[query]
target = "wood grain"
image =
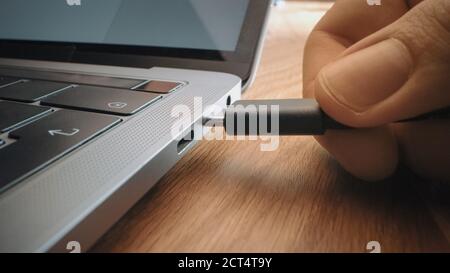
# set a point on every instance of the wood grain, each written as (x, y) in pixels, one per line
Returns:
(227, 196)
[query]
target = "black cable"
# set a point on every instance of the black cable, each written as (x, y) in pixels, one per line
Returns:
(288, 117)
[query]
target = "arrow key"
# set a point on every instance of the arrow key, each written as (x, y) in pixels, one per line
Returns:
(47, 139)
(64, 123)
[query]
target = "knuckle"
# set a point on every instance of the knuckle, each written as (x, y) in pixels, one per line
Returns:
(438, 13)
(426, 29)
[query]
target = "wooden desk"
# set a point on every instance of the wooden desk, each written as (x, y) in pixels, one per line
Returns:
(229, 196)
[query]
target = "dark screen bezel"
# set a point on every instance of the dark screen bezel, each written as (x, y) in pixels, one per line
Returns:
(238, 62)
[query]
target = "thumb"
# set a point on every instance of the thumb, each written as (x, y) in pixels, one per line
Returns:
(399, 72)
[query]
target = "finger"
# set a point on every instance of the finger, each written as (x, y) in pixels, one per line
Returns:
(397, 73)
(369, 154)
(425, 148)
(346, 23)
(337, 31)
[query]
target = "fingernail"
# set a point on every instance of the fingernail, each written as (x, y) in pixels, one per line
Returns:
(369, 76)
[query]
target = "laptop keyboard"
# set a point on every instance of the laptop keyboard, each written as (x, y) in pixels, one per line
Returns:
(41, 120)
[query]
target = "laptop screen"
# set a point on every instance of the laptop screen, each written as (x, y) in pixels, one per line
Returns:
(192, 24)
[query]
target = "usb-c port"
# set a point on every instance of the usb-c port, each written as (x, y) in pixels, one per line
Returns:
(185, 142)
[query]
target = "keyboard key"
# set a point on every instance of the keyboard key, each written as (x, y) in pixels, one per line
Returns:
(46, 140)
(102, 99)
(13, 114)
(30, 91)
(7, 80)
(163, 87)
(81, 79)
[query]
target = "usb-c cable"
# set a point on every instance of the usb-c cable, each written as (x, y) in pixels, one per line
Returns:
(293, 117)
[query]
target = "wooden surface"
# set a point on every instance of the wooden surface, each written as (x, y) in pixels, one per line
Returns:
(229, 196)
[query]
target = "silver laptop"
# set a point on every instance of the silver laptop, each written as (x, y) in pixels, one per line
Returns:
(87, 97)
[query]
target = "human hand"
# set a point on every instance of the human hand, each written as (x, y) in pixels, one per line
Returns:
(369, 66)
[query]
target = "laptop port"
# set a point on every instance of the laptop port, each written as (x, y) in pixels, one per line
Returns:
(185, 142)
(229, 101)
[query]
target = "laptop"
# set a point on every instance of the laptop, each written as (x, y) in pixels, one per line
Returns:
(87, 92)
